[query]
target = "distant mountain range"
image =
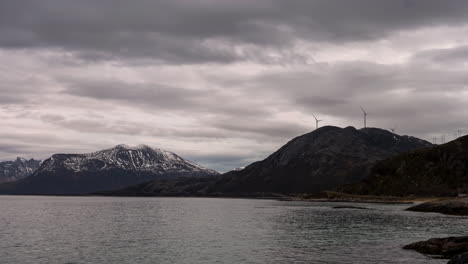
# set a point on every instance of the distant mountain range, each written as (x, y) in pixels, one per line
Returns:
(11, 171)
(367, 161)
(311, 163)
(437, 171)
(108, 169)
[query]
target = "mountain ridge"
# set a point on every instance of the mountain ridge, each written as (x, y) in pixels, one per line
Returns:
(310, 163)
(110, 168)
(319, 160)
(11, 171)
(112, 157)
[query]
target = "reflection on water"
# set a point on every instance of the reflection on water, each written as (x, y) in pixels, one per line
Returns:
(202, 230)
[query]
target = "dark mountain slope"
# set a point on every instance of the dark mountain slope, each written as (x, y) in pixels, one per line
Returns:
(317, 161)
(440, 170)
(108, 169)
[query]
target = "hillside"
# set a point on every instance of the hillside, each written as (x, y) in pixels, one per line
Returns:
(317, 161)
(437, 171)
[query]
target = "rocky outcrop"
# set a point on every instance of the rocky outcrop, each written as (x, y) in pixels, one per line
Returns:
(445, 247)
(459, 259)
(446, 206)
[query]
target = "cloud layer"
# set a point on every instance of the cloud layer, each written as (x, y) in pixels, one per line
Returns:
(225, 83)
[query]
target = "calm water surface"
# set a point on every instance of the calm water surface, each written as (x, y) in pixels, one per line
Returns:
(201, 230)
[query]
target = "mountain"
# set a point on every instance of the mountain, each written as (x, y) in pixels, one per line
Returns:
(317, 161)
(11, 171)
(437, 171)
(108, 169)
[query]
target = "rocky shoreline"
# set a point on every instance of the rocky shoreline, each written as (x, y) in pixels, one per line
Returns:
(458, 206)
(453, 248)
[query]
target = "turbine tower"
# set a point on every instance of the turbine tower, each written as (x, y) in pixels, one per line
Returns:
(365, 116)
(316, 122)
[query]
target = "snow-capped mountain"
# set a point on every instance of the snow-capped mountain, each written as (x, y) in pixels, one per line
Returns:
(21, 168)
(140, 158)
(107, 169)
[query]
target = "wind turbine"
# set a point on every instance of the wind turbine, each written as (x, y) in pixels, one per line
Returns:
(316, 122)
(365, 116)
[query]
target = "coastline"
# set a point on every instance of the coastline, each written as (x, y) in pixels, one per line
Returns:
(327, 196)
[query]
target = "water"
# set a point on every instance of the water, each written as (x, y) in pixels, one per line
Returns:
(201, 230)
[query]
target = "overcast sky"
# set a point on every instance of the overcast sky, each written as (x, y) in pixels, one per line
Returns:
(225, 82)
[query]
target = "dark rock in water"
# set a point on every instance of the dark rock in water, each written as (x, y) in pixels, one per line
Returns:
(109, 169)
(459, 259)
(445, 247)
(449, 207)
(436, 171)
(350, 207)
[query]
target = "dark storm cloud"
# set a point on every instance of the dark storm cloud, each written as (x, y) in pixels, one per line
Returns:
(155, 95)
(393, 93)
(95, 126)
(11, 99)
(341, 84)
(219, 128)
(411, 95)
(270, 128)
(182, 31)
(121, 126)
(17, 91)
(36, 145)
(8, 148)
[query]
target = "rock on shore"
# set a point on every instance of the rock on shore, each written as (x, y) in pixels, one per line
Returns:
(449, 247)
(451, 207)
(459, 259)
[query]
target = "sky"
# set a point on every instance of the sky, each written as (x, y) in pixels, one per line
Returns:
(223, 82)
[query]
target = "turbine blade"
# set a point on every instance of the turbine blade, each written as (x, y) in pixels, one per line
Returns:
(364, 111)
